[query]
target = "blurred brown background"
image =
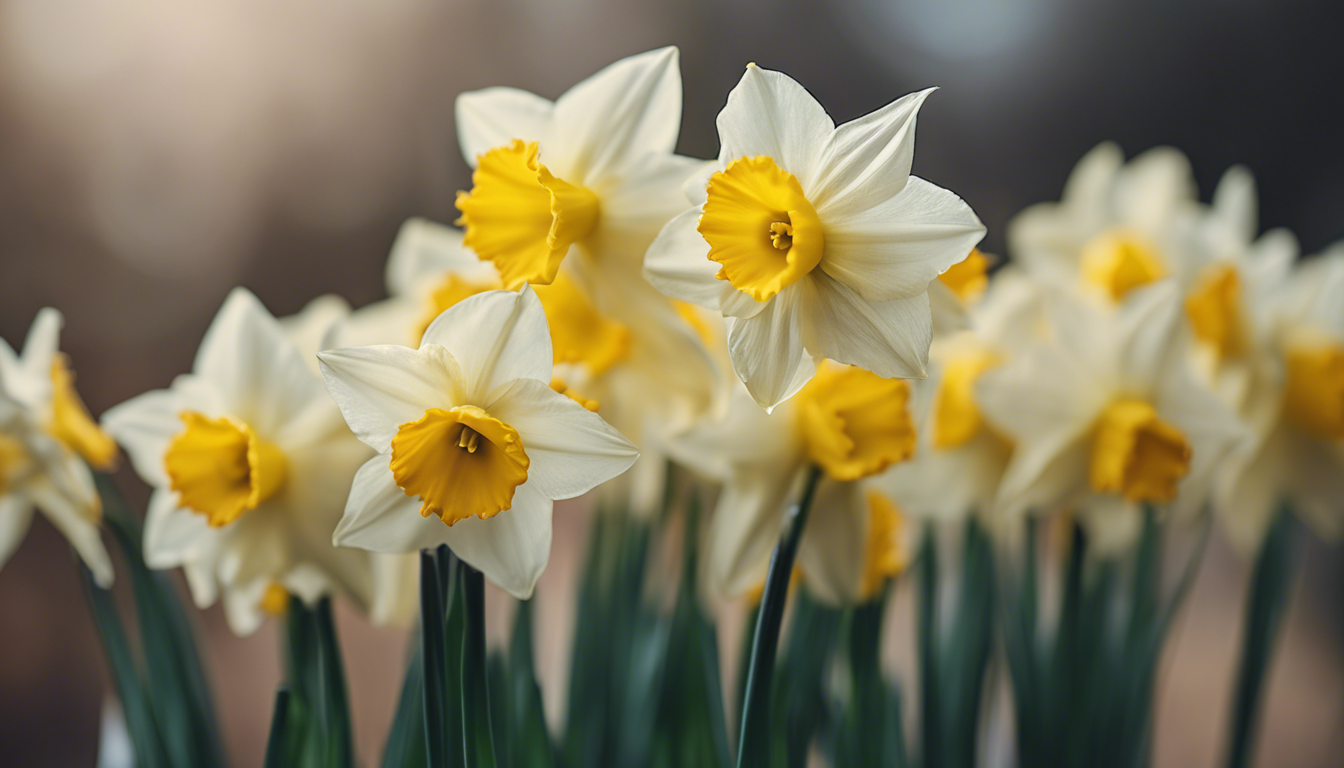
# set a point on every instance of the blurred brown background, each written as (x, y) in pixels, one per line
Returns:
(154, 154)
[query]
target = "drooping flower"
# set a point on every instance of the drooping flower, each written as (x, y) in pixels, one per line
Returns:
(46, 438)
(813, 241)
(1106, 417)
(249, 459)
(473, 443)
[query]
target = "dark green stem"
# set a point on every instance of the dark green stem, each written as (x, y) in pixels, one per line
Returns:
(435, 685)
(276, 743)
(930, 686)
(478, 738)
(1264, 614)
(753, 749)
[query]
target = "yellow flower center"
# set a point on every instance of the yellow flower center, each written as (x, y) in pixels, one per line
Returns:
(13, 461)
(1137, 455)
(70, 423)
(1314, 397)
(969, 277)
(221, 468)
(855, 422)
(1214, 309)
(275, 600)
(521, 217)
(885, 549)
(450, 290)
(579, 333)
(760, 227)
(956, 417)
(460, 462)
(1115, 263)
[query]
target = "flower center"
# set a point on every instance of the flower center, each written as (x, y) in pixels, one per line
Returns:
(521, 217)
(1115, 263)
(13, 461)
(275, 600)
(855, 422)
(760, 227)
(450, 290)
(579, 333)
(885, 548)
(1314, 396)
(460, 462)
(1137, 455)
(969, 277)
(1214, 309)
(221, 468)
(70, 423)
(956, 417)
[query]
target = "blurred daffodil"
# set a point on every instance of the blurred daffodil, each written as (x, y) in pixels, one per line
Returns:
(814, 241)
(47, 442)
(473, 443)
(249, 459)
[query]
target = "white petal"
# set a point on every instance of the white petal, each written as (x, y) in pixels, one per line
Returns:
(42, 344)
(174, 535)
(949, 314)
(511, 548)
(246, 356)
(640, 203)
(570, 449)
(677, 262)
(868, 160)
(1153, 188)
(1146, 336)
(889, 338)
(79, 523)
(1049, 472)
(493, 117)
(766, 350)
(311, 327)
(1090, 181)
(395, 590)
(1112, 524)
(242, 607)
(16, 514)
(628, 110)
(144, 426)
(496, 337)
(745, 527)
(894, 248)
(380, 517)
(1022, 402)
(380, 388)
(831, 553)
(1234, 203)
(1316, 484)
(425, 250)
(769, 113)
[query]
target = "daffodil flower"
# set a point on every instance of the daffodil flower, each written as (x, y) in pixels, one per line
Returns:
(46, 438)
(814, 241)
(1107, 417)
(852, 423)
(250, 462)
(1296, 452)
(473, 443)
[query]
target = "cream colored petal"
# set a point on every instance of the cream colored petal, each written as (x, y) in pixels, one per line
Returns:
(79, 524)
(380, 388)
(889, 338)
(493, 117)
(380, 517)
(424, 251)
(746, 526)
(769, 113)
(767, 350)
(144, 426)
(512, 548)
(831, 551)
(677, 262)
(495, 337)
(16, 515)
(174, 535)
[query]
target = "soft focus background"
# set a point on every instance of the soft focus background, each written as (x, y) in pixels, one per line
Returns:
(153, 154)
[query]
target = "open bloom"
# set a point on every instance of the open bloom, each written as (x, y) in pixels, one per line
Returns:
(473, 443)
(46, 438)
(249, 460)
(850, 422)
(814, 241)
(592, 172)
(1106, 417)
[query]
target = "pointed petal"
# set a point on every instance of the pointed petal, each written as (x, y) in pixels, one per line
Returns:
(174, 535)
(745, 527)
(831, 556)
(1234, 203)
(766, 350)
(1090, 181)
(893, 250)
(79, 523)
(379, 388)
(144, 426)
(380, 517)
(425, 250)
(496, 337)
(868, 159)
(889, 338)
(511, 548)
(16, 515)
(570, 448)
(42, 344)
(493, 117)
(677, 263)
(640, 203)
(628, 110)
(769, 113)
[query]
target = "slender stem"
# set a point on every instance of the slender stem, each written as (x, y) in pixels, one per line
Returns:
(753, 749)
(930, 684)
(431, 632)
(276, 745)
(478, 736)
(1264, 614)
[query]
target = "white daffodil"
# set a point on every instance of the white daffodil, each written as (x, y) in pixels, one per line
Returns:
(250, 461)
(814, 241)
(46, 436)
(592, 172)
(473, 443)
(644, 363)
(850, 422)
(1116, 227)
(1106, 417)
(1297, 417)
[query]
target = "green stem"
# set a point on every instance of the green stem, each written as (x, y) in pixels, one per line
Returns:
(431, 631)
(1264, 615)
(276, 743)
(753, 749)
(478, 739)
(930, 686)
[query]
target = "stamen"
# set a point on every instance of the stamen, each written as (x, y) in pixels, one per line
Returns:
(781, 235)
(469, 439)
